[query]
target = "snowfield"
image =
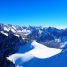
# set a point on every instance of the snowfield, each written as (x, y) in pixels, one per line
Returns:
(39, 51)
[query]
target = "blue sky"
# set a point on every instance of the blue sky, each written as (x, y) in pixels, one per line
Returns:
(34, 12)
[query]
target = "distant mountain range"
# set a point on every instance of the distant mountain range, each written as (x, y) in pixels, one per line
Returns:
(14, 36)
(48, 35)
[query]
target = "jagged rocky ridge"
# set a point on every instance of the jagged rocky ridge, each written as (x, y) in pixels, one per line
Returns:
(45, 35)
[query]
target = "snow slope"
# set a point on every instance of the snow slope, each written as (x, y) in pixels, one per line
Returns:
(39, 51)
(4, 33)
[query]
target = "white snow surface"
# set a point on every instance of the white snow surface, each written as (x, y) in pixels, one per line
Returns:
(13, 30)
(39, 51)
(4, 33)
(6, 29)
(60, 27)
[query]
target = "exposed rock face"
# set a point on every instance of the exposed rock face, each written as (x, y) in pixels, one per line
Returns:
(8, 46)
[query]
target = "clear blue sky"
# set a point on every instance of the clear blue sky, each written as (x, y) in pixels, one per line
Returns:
(34, 12)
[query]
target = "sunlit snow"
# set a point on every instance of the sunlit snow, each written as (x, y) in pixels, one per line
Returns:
(4, 33)
(6, 29)
(39, 51)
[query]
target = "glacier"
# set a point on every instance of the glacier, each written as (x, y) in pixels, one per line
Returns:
(39, 51)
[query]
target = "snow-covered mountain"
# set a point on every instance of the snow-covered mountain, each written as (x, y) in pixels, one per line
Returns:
(15, 37)
(51, 36)
(41, 34)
